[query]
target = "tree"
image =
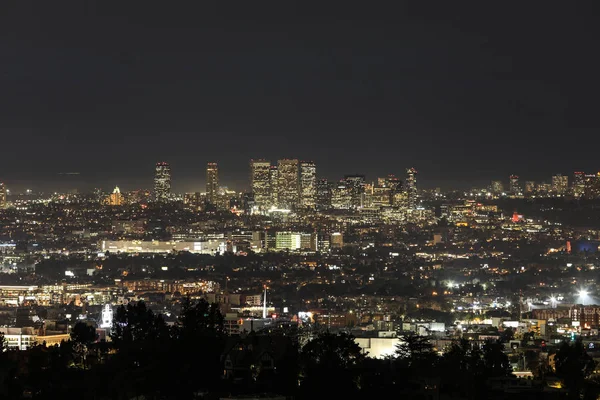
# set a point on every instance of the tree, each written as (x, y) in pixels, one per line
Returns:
(495, 361)
(573, 366)
(416, 352)
(331, 358)
(83, 336)
(136, 323)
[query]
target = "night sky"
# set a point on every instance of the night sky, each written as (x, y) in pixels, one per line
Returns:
(464, 93)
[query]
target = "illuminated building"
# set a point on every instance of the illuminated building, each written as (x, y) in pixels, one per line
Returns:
(162, 182)
(560, 184)
(261, 183)
(209, 246)
(336, 240)
(356, 186)
(578, 184)
(529, 187)
(323, 194)
(382, 195)
(288, 184)
(212, 182)
(2, 196)
(308, 184)
(194, 201)
(497, 187)
(341, 197)
(513, 185)
(107, 317)
(411, 188)
(273, 185)
(591, 186)
(115, 198)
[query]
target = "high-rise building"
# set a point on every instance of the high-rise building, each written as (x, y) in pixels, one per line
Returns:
(356, 185)
(323, 195)
(212, 182)
(411, 188)
(514, 187)
(261, 183)
(2, 196)
(288, 183)
(274, 185)
(497, 187)
(115, 198)
(341, 197)
(162, 182)
(592, 186)
(560, 184)
(529, 187)
(308, 184)
(578, 184)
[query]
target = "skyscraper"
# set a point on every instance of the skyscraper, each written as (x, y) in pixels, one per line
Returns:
(162, 182)
(529, 187)
(212, 182)
(560, 184)
(2, 196)
(497, 187)
(308, 184)
(578, 184)
(356, 185)
(323, 195)
(513, 185)
(288, 184)
(115, 198)
(274, 185)
(411, 188)
(261, 182)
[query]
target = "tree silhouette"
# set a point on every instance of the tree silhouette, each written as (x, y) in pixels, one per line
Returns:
(330, 358)
(573, 365)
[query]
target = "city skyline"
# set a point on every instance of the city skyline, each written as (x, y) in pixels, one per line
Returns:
(175, 184)
(356, 90)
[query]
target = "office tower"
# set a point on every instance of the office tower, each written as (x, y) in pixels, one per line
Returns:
(411, 188)
(274, 185)
(288, 184)
(560, 184)
(382, 194)
(162, 182)
(115, 198)
(529, 187)
(261, 183)
(323, 195)
(212, 182)
(578, 184)
(591, 184)
(341, 197)
(497, 187)
(2, 196)
(514, 187)
(308, 184)
(356, 185)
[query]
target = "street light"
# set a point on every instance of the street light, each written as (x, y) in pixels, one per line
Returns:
(583, 294)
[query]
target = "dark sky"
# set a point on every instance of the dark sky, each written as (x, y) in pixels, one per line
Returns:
(465, 93)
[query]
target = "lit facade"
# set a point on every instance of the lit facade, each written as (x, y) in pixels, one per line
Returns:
(514, 186)
(356, 185)
(115, 198)
(274, 185)
(2, 196)
(323, 194)
(560, 184)
(497, 187)
(162, 182)
(578, 184)
(411, 188)
(288, 184)
(261, 182)
(212, 182)
(308, 184)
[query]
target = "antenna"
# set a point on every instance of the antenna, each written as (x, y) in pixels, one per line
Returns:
(265, 304)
